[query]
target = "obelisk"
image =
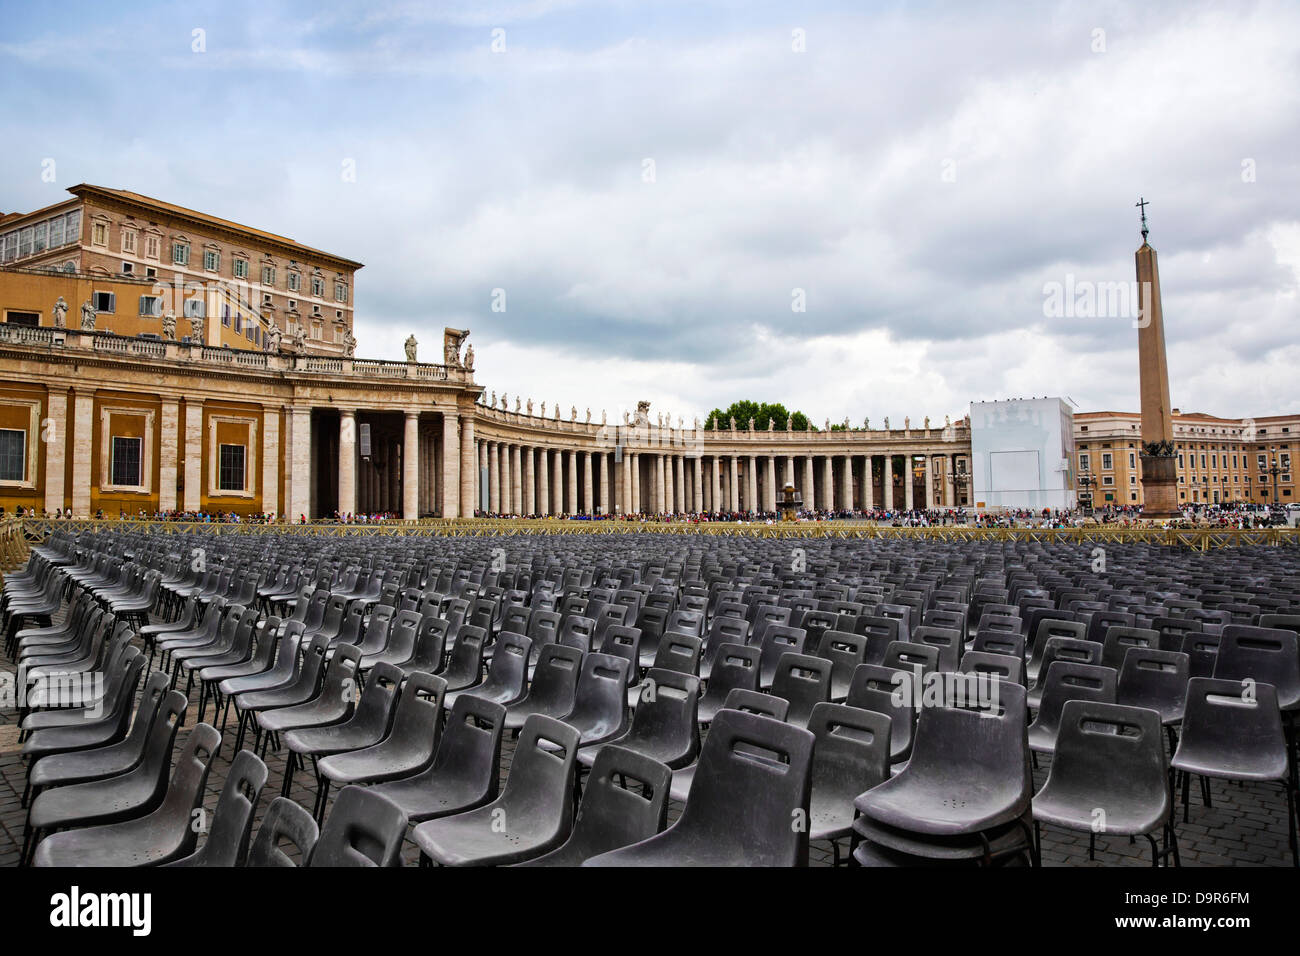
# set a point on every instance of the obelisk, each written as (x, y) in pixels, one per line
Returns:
(1159, 466)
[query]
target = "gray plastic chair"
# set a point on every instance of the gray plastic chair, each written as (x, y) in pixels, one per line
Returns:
(158, 837)
(464, 772)
(1109, 758)
(364, 829)
(625, 801)
(753, 778)
(533, 815)
(232, 821)
(850, 756)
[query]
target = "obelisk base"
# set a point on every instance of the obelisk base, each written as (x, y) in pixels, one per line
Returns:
(1160, 487)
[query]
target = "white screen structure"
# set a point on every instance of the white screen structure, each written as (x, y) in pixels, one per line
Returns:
(1013, 471)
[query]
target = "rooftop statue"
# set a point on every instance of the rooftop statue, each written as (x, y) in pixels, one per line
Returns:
(411, 343)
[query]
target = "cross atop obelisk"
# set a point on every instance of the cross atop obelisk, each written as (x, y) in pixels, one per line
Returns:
(1142, 204)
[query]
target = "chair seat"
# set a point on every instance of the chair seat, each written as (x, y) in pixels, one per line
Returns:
(426, 798)
(899, 804)
(477, 839)
(1228, 765)
(1120, 820)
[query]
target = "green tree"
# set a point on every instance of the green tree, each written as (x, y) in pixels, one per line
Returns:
(762, 414)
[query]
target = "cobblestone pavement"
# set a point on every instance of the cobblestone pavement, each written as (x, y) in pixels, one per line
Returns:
(1244, 826)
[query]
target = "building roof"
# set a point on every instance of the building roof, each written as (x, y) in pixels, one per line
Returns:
(84, 190)
(9, 217)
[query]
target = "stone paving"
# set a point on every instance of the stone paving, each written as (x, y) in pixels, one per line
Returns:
(1244, 826)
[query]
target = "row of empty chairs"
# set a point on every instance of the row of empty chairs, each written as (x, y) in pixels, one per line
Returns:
(896, 695)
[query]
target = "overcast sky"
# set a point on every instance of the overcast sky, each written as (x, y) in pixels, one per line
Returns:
(657, 186)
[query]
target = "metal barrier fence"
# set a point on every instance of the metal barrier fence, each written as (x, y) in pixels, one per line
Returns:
(18, 534)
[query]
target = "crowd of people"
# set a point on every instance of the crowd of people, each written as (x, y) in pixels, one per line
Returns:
(1223, 516)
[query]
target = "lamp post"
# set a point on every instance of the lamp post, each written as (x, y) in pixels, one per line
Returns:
(1087, 480)
(958, 480)
(1273, 469)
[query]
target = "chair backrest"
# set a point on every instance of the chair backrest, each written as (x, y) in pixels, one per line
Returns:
(879, 688)
(947, 640)
(470, 748)
(678, 652)
(755, 702)
(232, 821)
(851, 749)
(578, 632)
(602, 688)
(185, 792)
(1265, 654)
(1113, 754)
(780, 639)
(623, 641)
(1149, 674)
(1067, 680)
(666, 714)
(1000, 666)
(1067, 649)
(804, 681)
(364, 828)
(1244, 728)
(555, 679)
(997, 642)
(543, 774)
(753, 778)
(284, 820)
(1120, 637)
(906, 655)
(845, 651)
(625, 801)
(1202, 652)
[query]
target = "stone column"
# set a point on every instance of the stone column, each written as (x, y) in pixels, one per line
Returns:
(572, 466)
(588, 491)
(949, 484)
(557, 483)
(634, 462)
(543, 482)
(469, 468)
(847, 482)
(769, 483)
(697, 485)
(869, 483)
(347, 461)
(529, 459)
(83, 438)
(828, 483)
(506, 496)
(489, 451)
(679, 484)
(660, 497)
(168, 453)
(909, 491)
(516, 481)
(889, 482)
(410, 467)
(56, 448)
(733, 483)
(299, 460)
(929, 481)
(715, 485)
(301, 470)
(809, 494)
(625, 482)
(451, 478)
(602, 472)
(270, 460)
